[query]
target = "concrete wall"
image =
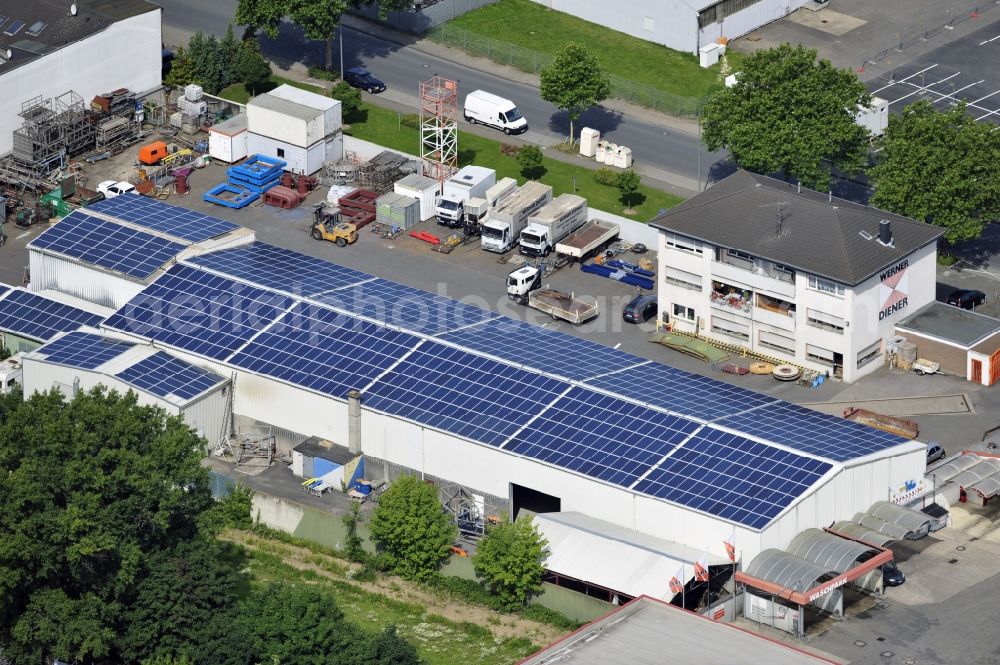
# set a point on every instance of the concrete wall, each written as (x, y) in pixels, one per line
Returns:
(126, 54)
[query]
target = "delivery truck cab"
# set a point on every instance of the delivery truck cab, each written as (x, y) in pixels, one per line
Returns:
(485, 109)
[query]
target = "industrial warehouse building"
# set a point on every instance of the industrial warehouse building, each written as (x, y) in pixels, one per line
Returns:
(802, 277)
(523, 417)
(683, 25)
(29, 319)
(47, 50)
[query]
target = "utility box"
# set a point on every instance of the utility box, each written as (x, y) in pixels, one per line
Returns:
(875, 119)
(588, 141)
(227, 141)
(708, 55)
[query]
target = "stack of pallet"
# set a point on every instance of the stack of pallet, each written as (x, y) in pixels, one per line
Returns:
(382, 171)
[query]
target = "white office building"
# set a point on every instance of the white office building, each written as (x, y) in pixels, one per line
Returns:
(793, 274)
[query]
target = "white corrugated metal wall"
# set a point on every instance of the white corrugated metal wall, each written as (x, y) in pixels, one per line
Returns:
(672, 23)
(84, 282)
(748, 20)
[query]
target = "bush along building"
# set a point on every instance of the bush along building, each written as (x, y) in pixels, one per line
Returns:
(793, 274)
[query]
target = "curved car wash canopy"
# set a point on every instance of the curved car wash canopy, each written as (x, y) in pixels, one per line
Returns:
(862, 533)
(975, 474)
(788, 576)
(827, 550)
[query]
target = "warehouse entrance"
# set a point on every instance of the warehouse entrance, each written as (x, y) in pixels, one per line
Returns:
(533, 500)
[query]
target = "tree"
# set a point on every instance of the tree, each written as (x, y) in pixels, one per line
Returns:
(210, 65)
(574, 82)
(388, 648)
(510, 559)
(529, 158)
(942, 168)
(628, 184)
(317, 18)
(186, 604)
(91, 487)
(229, 50)
(790, 113)
(412, 528)
(352, 544)
(250, 67)
(182, 69)
(349, 98)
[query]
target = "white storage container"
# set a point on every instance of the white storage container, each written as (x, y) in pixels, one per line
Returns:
(708, 55)
(588, 141)
(423, 189)
(331, 108)
(227, 141)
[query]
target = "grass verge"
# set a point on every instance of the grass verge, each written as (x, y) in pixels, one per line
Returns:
(387, 128)
(534, 26)
(240, 93)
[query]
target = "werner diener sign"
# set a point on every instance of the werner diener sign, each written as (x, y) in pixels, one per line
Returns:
(893, 288)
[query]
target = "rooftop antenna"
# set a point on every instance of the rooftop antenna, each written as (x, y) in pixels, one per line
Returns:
(781, 213)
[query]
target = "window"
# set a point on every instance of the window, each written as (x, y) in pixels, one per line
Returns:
(776, 305)
(783, 272)
(819, 355)
(776, 342)
(824, 321)
(825, 286)
(737, 258)
(682, 243)
(731, 328)
(13, 28)
(721, 10)
(36, 28)
(683, 279)
(281, 153)
(869, 353)
(648, 24)
(682, 312)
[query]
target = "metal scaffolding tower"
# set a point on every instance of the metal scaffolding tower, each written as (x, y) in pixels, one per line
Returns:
(439, 128)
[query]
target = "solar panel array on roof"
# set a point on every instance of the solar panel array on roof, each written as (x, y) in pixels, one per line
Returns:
(280, 269)
(108, 245)
(405, 307)
(200, 312)
(681, 392)
(461, 393)
(323, 350)
(83, 350)
(733, 477)
(545, 350)
(601, 436)
(39, 318)
(4, 289)
(812, 432)
(171, 220)
(163, 375)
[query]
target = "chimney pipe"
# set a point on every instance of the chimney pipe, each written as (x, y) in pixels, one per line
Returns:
(884, 232)
(354, 421)
(76, 386)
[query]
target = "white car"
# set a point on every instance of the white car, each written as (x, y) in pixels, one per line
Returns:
(111, 188)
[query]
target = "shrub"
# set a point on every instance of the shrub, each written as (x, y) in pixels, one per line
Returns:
(606, 176)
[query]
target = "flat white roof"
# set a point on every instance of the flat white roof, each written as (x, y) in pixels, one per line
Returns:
(304, 97)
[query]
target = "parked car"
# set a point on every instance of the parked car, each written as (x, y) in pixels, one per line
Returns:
(111, 188)
(891, 575)
(362, 78)
(967, 298)
(935, 451)
(640, 309)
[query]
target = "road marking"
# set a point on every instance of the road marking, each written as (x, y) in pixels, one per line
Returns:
(990, 40)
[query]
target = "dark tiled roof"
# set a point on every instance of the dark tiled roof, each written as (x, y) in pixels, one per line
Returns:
(950, 323)
(817, 235)
(92, 16)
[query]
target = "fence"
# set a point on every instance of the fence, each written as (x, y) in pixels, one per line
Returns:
(427, 17)
(221, 485)
(531, 61)
(949, 20)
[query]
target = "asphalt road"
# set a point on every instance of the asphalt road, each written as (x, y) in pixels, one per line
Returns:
(658, 150)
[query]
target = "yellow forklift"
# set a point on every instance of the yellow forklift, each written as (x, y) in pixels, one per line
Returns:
(329, 226)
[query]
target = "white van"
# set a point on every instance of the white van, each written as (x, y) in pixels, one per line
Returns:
(486, 109)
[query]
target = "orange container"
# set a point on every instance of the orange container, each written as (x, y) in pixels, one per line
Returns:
(152, 153)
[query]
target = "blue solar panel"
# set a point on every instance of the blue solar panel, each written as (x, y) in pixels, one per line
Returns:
(733, 477)
(83, 350)
(177, 222)
(4, 289)
(682, 392)
(39, 318)
(108, 245)
(320, 349)
(459, 392)
(405, 307)
(812, 432)
(163, 375)
(197, 311)
(546, 350)
(280, 269)
(600, 436)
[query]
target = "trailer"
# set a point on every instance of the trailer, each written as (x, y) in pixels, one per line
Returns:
(503, 228)
(547, 227)
(524, 286)
(591, 239)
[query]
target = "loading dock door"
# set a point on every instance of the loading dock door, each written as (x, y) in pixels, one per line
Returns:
(995, 368)
(977, 371)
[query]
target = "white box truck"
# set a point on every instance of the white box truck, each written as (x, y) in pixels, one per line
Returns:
(482, 108)
(470, 182)
(477, 210)
(552, 223)
(503, 228)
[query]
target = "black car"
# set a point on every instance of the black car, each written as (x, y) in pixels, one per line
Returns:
(891, 575)
(640, 309)
(362, 78)
(967, 298)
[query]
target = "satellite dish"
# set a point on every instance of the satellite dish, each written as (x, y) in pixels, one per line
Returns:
(72, 9)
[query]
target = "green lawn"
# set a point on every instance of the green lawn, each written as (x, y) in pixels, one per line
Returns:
(238, 92)
(383, 126)
(531, 25)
